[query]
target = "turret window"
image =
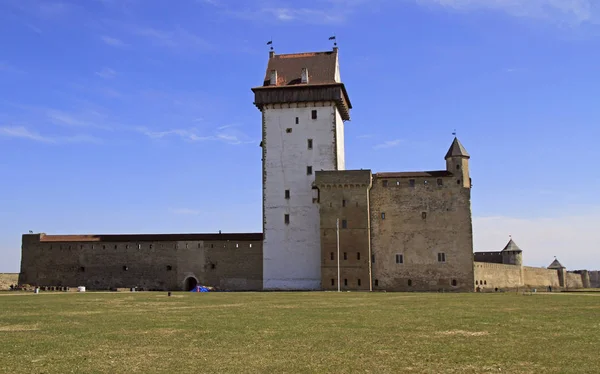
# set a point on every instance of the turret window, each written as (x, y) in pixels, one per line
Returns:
(440, 182)
(441, 257)
(458, 181)
(286, 219)
(457, 167)
(309, 170)
(314, 114)
(310, 144)
(287, 194)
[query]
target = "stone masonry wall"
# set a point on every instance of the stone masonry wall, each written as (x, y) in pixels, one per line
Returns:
(100, 264)
(574, 281)
(594, 279)
(344, 195)
(540, 277)
(490, 276)
(421, 222)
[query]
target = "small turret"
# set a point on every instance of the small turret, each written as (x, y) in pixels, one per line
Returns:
(562, 271)
(512, 254)
(457, 162)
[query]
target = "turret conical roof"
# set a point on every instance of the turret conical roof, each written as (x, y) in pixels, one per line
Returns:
(556, 265)
(512, 246)
(457, 150)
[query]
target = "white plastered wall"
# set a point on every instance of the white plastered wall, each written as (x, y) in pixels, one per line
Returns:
(291, 252)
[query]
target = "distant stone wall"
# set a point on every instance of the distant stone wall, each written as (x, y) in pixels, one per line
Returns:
(573, 280)
(489, 257)
(594, 279)
(151, 262)
(497, 277)
(540, 277)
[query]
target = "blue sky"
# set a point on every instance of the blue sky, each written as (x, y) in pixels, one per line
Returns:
(131, 116)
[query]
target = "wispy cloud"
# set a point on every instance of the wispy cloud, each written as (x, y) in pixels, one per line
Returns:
(388, 144)
(325, 12)
(106, 73)
(87, 119)
(176, 38)
(563, 11)
(185, 211)
(226, 134)
(113, 42)
(7, 68)
(24, 133)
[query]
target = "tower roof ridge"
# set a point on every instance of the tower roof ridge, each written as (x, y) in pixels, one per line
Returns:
(457, 150)
(556, 265)
(512, 246)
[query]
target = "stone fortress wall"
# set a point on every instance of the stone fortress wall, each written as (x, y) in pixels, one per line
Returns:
(150, 262)
(510, 274)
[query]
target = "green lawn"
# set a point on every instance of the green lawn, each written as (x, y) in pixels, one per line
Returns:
(299, 333)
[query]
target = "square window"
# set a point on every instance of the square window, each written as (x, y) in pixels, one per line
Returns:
(426, 182)
(333, 282)
(82, 269)
(441, 257)
(384, 183)
(424, 215)
(169, 267)
(287, 194)
(345, 282)
(314, 114)
(125, 268)
(440, 182)
(310, 143)
(344, 224)
(399, 259)
(286, 219)
(411, 182)
(288, 130)
(376, 282)
(309, 170)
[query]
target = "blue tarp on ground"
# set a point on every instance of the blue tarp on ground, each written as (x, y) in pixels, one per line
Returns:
(200, 289)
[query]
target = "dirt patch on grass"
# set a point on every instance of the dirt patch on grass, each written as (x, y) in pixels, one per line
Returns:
(464, 333)
(18, 328)
(79, 313)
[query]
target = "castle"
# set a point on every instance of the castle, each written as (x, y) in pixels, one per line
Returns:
(324, 227)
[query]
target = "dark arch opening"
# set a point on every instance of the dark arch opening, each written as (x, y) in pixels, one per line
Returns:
(190, 283)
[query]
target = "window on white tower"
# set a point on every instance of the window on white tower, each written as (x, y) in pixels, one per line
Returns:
(309, 170)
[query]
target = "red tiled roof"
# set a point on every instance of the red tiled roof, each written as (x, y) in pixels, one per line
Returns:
(414, 174)
(151, 237)
(321, 68)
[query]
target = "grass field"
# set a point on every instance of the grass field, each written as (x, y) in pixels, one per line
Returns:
(299, 333)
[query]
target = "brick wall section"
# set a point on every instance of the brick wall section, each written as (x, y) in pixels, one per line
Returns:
(99, 263)
(344, 195)
(419, 223)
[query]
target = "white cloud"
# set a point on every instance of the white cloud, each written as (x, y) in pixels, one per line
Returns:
(114, 42)
(573, 239)
(106, 73)
(24, 133)
(388, 144)
(562, 11)
(226, 134)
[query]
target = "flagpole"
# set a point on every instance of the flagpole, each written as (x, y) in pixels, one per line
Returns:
(337, 232)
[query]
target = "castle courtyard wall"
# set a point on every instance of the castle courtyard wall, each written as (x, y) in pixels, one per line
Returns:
(573, 280)
(492, 277)
(540, 278)
(151, 262)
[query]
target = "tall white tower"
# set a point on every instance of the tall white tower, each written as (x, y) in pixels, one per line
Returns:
(304, 105)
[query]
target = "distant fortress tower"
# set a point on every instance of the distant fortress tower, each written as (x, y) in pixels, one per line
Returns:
(304, 105)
